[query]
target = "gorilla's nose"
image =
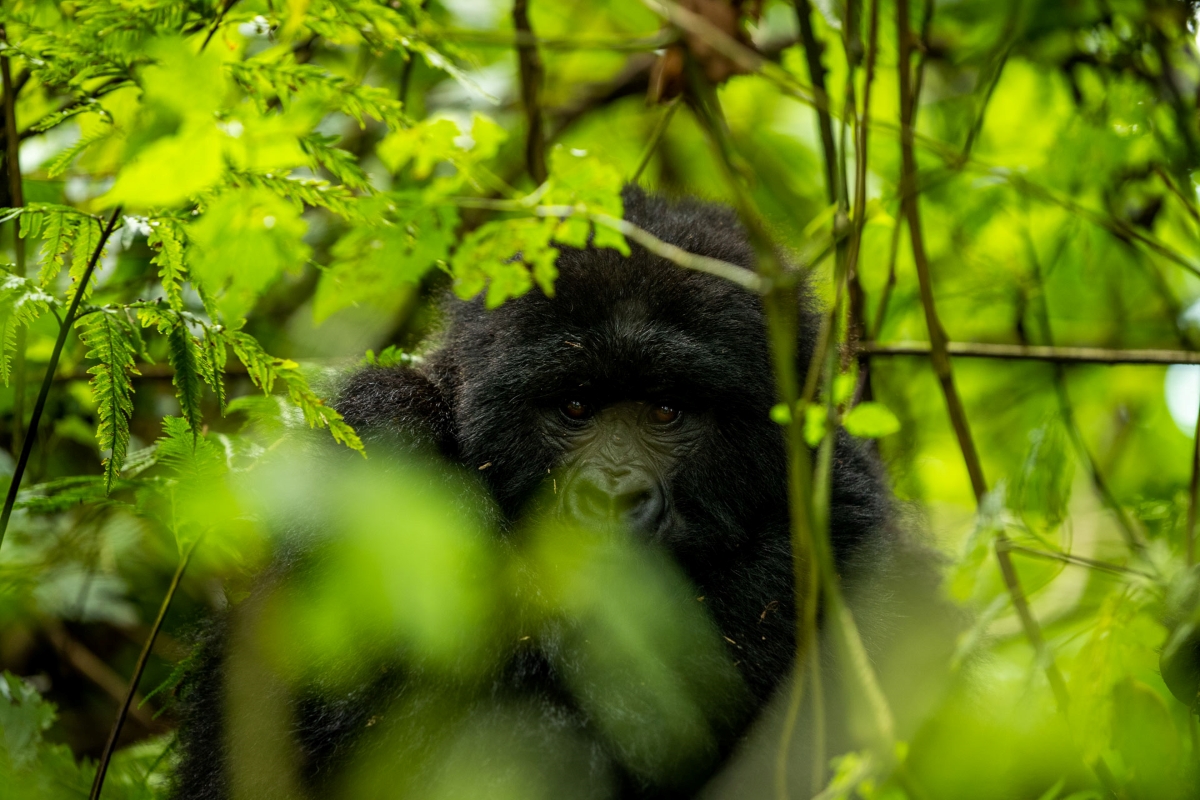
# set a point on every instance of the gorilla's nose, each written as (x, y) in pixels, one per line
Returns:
(598, 497)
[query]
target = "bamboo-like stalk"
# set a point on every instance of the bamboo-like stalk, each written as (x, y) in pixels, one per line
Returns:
(48, 380)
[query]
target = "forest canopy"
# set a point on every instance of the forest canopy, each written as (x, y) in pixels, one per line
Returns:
(212, 209)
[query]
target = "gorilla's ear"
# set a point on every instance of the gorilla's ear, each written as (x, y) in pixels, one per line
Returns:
(399, 406)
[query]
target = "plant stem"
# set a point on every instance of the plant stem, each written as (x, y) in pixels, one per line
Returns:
(911, 211)
(48, 379)
(139, 668)
(217, 23)
(1023, 352)
(816, 74)
(531, 89)
(660, 129)
(1193, 491)
(16, 195)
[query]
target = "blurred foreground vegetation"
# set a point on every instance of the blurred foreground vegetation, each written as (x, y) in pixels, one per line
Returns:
(229, 201)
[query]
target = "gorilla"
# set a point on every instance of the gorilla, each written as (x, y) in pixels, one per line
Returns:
(641, 392)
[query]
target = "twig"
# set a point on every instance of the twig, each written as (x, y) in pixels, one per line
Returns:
(139, 668)
(92, 667)
(660, 129)
(816, 74)
(911, 210)
(531, 89)
(519, 38)
(1023, 352)
(857, 322)
(1079, 561)
(217, 22)
(741, 276)
(16, 192)
(48, 379)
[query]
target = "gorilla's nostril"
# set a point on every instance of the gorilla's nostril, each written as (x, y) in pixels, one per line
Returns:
(639, 506)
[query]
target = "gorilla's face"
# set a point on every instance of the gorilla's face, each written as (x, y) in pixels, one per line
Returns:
(640, 392)
(619, 459)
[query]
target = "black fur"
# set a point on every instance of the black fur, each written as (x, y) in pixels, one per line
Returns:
(627, 326)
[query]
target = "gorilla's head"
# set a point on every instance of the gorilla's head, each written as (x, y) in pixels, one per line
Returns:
(639, 392)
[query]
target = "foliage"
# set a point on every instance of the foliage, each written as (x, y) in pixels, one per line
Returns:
(295, 183)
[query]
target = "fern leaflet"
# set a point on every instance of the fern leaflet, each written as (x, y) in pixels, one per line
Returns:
(110, 340)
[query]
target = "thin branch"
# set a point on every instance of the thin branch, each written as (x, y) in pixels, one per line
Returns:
(911, 209)
(531, 90)
(217, 23)
(741, 276)
(139, 668)
(48, 379)
(660, 130)
(816, 74)
(857, 322)
(1078, 561)
(92, 667)
(522, 38)
(1022, 352)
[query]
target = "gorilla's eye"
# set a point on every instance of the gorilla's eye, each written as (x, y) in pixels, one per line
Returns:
(664, 414)
(577, 410)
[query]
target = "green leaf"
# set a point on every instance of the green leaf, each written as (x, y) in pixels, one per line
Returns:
(112, 345)
(1043, 489)
(505, 257)
(577, 179)
(241, 245)
(374, 261)
(170, 170)
(870, 420)
(815, 417)
(24, 717)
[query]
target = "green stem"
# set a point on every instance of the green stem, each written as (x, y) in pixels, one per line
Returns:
(48, 379)
(139, 668)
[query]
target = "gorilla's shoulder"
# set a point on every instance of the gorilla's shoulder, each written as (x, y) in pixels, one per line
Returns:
(405, 406)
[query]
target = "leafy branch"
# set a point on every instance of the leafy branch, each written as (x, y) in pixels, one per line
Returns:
(48, 379)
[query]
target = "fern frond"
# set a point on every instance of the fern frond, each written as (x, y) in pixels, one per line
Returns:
(58, 234)
(21, 302)
(264, 370)
(111, 344)
(167, 239)
(62, 162)
(214, 359)
(302, 191)
(87, 239)
(188, 363)
(341, 164)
